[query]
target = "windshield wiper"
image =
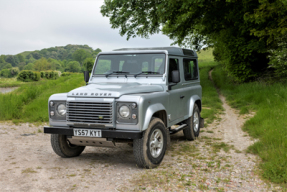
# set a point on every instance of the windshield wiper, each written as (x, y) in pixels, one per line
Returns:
(117, 72)
(148, 72)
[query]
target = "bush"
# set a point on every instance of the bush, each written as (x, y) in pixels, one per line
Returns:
(278, 58)
(11, 72)
(14, 71)
(27, 75)
(51, 74)
(42, 74)
(37, 76)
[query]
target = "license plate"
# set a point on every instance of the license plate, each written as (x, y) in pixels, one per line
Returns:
(87, 132)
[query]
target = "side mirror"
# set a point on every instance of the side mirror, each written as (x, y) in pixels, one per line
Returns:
(86, 76)
(175, 76)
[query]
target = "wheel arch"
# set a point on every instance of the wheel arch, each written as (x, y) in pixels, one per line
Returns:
(155, 110)
(194, 100)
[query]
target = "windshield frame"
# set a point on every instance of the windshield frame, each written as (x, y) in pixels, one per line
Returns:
(164, 52)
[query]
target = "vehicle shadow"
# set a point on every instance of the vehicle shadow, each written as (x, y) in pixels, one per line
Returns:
(100, 156)
(121, 155)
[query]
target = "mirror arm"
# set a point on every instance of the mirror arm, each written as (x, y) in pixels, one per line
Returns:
(171, 85)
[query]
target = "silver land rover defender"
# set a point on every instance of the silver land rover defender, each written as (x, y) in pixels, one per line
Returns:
(134, 96)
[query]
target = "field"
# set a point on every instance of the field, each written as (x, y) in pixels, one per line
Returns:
(10, 82)
(29, 103)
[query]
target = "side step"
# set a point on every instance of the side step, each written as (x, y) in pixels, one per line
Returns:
(179, 128)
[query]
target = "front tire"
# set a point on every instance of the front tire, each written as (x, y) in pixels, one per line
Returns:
(193, 125)
(63, 148)
(150, 149)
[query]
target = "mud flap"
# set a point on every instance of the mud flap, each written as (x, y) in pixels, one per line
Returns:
(201, 125)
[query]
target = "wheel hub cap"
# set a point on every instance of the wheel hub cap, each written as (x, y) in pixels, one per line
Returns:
(195, 122)
(156, 143)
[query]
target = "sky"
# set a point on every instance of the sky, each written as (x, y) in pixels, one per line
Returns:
(28, 25)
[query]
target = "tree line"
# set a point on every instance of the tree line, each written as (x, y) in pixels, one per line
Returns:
(248, 36)
(70, 58)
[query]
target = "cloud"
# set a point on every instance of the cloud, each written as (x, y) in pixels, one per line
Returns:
(34, 25)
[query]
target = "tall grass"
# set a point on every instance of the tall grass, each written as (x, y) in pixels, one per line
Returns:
(10, 82)
(29, 103)
(269, 124)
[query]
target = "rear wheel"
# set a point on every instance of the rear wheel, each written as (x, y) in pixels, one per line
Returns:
(193, 125)
(63, 147)
(150, 149)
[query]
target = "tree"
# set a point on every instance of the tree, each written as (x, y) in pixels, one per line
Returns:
(21, 65)
(14, 71)
(73, 66)
(88, 64)
(80, 55)
(21, 58)
(12, 59)
(271, 17)
(42, 65)
(7, 66)
(5, 73)
(29, 66)
(222, 24)
(278, 58)
(55, 64)
(2, 59)
(30, 59)
(36, 55)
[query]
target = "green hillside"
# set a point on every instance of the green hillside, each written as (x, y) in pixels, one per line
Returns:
(70, 58)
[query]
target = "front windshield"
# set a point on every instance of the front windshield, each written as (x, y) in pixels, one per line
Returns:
(130, 64)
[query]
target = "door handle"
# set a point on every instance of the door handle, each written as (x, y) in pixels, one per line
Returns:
(182, 96)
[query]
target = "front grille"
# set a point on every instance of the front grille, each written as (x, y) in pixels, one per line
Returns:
(89, 112)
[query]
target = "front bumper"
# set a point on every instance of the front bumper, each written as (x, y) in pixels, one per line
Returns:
(106, 133)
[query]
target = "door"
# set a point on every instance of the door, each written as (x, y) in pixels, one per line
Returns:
(176, 98)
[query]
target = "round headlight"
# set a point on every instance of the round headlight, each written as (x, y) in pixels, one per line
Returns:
(62, 109)
(124, 111)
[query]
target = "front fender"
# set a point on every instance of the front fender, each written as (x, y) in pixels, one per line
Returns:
(59, 96)
(149, 113)
(192, 101)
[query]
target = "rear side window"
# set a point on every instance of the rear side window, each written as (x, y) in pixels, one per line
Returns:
(190, 69)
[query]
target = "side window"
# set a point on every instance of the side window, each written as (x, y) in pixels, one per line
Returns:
(173, 65)
(190, 69)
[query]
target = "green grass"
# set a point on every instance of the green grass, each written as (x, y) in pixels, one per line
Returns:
(205, 55)
(10, 82)
(211, 103)
(269, 124)
(29, 103)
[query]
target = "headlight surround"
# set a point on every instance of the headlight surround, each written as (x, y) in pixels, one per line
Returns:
(57, 110)
(127, 113)
(124, 111)
(62, 109)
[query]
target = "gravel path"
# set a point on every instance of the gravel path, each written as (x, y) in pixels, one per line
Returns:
(28, 163)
